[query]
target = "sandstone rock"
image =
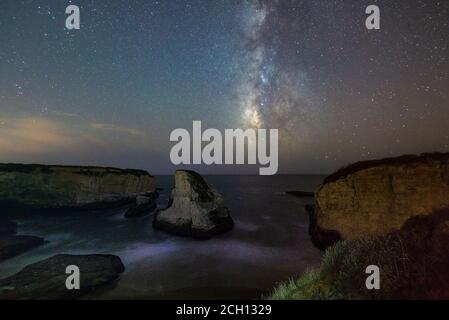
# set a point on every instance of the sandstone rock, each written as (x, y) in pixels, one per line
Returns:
(145, 199)
(12, 245)
(144, 205)
(39, 186)
(376, 197)
(196, 209)
(46, 279)
(321, 238)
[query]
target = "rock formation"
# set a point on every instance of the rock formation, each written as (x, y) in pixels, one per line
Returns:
(39, 186)
(143, 205)
(376, 197)
(11, 244)
(195, 209)
(47, 279)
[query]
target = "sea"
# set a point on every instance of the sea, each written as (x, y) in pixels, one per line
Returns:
(268, 245)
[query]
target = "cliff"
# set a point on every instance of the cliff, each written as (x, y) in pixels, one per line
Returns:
(377, 197)
(40, 186)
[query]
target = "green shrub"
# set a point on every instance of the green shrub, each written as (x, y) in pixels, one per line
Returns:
(308, 287)
(413, 264)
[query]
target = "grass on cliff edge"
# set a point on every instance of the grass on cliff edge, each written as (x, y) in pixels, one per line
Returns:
(413, 264)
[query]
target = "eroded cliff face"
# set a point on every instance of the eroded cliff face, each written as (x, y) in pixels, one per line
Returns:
(40, 186)
(376, 197)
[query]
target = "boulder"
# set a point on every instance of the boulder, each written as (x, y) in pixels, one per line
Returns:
(47, 279)
(377, 197)
(196, 209)
(13, 245)
(144, 205)
(48, 187)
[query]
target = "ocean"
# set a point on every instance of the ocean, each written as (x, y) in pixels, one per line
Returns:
(269, 243)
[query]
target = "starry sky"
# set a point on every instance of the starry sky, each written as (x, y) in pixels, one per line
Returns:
(110, 93)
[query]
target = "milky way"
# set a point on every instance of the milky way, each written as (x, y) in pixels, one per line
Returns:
(111, 92)
(273, 91)
(315, 72)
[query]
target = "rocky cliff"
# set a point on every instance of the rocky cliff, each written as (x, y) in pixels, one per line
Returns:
(376, 197)
(195, 209)
(39, 186)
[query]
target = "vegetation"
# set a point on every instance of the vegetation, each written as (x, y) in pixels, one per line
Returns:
(413, 263)
(310, 286)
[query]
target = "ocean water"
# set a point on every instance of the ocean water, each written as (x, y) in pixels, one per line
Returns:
(269, 243)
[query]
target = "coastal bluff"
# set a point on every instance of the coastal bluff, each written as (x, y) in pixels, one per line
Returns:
(379, 196)
(55, 187)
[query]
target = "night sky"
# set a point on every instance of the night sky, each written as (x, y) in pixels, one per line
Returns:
(110, 93)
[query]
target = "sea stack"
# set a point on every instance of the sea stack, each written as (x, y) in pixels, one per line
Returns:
(56, 187)
(196, 209)
(376, 197)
